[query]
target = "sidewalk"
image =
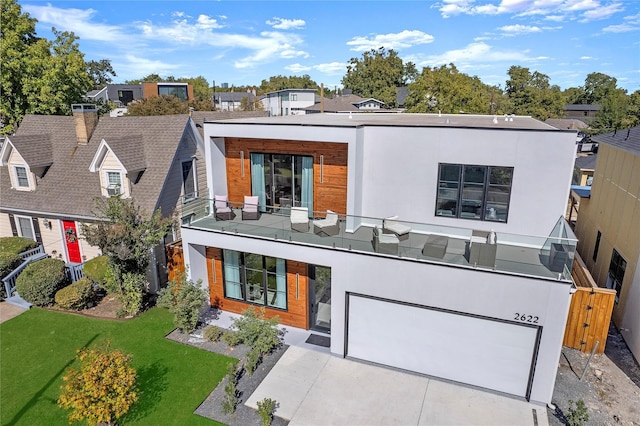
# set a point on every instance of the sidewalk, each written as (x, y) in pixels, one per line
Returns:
(8, 311)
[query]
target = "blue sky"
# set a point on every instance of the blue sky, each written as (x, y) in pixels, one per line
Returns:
(244, 42)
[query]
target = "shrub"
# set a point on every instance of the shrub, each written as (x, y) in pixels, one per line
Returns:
(102, 390)
(75, 296)
(231, 338)
(184, 299)
(256, 331)
(213, 333)
(8, 262)
(17, 244)
(577, 416)
(39, 281)
(230, 399)
(265, 410)
(133, 286)
(252, 360)
(96, 270)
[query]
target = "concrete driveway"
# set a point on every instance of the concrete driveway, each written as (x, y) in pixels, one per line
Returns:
(316, 388)
(8, 311)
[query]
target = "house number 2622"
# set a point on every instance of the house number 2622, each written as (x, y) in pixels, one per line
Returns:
(526, 318)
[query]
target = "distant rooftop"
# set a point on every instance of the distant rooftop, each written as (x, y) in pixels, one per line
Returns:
(586, 162)
(401, 119)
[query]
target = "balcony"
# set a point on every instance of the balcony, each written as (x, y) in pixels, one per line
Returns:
(547, 257)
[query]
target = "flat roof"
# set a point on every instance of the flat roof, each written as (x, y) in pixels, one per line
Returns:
(400, 119)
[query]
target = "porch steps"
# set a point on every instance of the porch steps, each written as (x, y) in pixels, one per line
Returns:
(16, 300)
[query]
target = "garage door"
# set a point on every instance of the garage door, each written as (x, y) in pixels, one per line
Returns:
(474, 350)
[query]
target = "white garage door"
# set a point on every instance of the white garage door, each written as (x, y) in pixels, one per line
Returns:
(468, 349)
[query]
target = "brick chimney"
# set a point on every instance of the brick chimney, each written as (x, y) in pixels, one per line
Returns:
(85, 117)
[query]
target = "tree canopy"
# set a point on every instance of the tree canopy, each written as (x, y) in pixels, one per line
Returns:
(447, 90)
(38, 76)
(377, 74)
(158, 105)
(100, 72)
(280, 82)
(532, 94)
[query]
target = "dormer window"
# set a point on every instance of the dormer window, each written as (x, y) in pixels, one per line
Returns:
(114, 183)
(22, 177)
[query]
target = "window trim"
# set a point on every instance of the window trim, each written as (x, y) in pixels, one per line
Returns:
(486, 187)
(243, 282)
(108, 184)
(19, 227)
(194, 172)
(612, 279)
(17, 178)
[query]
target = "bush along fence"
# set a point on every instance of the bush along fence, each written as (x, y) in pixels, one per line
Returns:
(74, 271)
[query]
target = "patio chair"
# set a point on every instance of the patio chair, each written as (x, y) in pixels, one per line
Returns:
(299, 219)
(391, 225)
(250, 208)
(328, 226)
(482, 248)
(384, 243)
(221, 208)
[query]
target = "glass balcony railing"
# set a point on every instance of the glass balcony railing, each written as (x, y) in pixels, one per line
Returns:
(548, 257)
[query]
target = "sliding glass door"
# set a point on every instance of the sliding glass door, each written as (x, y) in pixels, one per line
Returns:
(282, 180)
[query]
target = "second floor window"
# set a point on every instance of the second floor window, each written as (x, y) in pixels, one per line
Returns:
(474, 192)
(22, 178)
(189, 188)
(114, 183)
(615, 277)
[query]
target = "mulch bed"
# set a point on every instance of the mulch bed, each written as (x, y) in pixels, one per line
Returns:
(211, 407)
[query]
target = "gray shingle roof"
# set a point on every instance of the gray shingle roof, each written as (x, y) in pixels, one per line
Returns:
(627, 139)
(566, 123)
(586, 162)
(129, 150)
(69, 188)
(35, 149)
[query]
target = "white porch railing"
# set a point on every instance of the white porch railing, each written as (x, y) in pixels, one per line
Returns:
(27, 256)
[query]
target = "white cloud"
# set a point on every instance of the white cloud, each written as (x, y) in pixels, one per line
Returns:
(474, 53)
(286, 24)
(207, 22)
(555, 18)
(295, 68)
(78, 21)
(136, 65)
(333, 68)
(602, 12)
(401, 40)
(515, 30)
(586, 58)
(632, 23)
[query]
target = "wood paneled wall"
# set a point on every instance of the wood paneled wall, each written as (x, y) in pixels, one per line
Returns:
(175, 260)
(589, 312)
(330, 194)
(297, 313)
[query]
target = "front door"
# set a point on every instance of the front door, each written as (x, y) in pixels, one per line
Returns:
(320, 298)
(71, 241)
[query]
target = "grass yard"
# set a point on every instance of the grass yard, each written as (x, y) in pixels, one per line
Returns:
(37, 346)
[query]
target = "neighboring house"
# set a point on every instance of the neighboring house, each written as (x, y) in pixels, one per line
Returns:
(472, 282)
(232, 101)
(123, 94)
(609, 228)
(347, 103)
(55, 166)
(288, 101)
(586, 113)
(583, 169)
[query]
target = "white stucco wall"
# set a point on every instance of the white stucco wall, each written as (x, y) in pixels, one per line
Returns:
(459, 289)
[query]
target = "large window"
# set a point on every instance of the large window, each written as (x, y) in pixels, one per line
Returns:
(189, 188)
(179, 92)
(25, 227)
(616, 273)
(474, 192)
(22, 177)
(257, 279)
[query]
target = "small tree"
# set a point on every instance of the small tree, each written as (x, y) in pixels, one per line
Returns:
(184, 299)
(126, 235)
(577, 415)
(102, 390)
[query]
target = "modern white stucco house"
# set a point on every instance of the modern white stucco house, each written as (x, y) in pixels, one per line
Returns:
(288, 101)
(470, 283)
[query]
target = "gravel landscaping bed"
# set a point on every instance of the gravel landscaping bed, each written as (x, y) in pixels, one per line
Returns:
(247, 384)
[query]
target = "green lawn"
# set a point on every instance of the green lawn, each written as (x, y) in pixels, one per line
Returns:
(37, 346)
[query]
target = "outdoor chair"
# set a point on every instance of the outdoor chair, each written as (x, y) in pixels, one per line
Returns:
(482, 248)
(221, 208)
(384, 243)
(391, 225)
(250, 208)
(328, 226)
(299, 219)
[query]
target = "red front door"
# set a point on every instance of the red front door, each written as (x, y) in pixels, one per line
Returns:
(71, 241)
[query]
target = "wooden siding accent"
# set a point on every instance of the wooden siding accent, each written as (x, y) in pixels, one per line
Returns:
(589, 313)
(296, 315)
(331, 194)
(175, 260)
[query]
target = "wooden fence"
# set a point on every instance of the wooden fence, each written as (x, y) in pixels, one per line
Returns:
(175, 260)
(589, 313)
